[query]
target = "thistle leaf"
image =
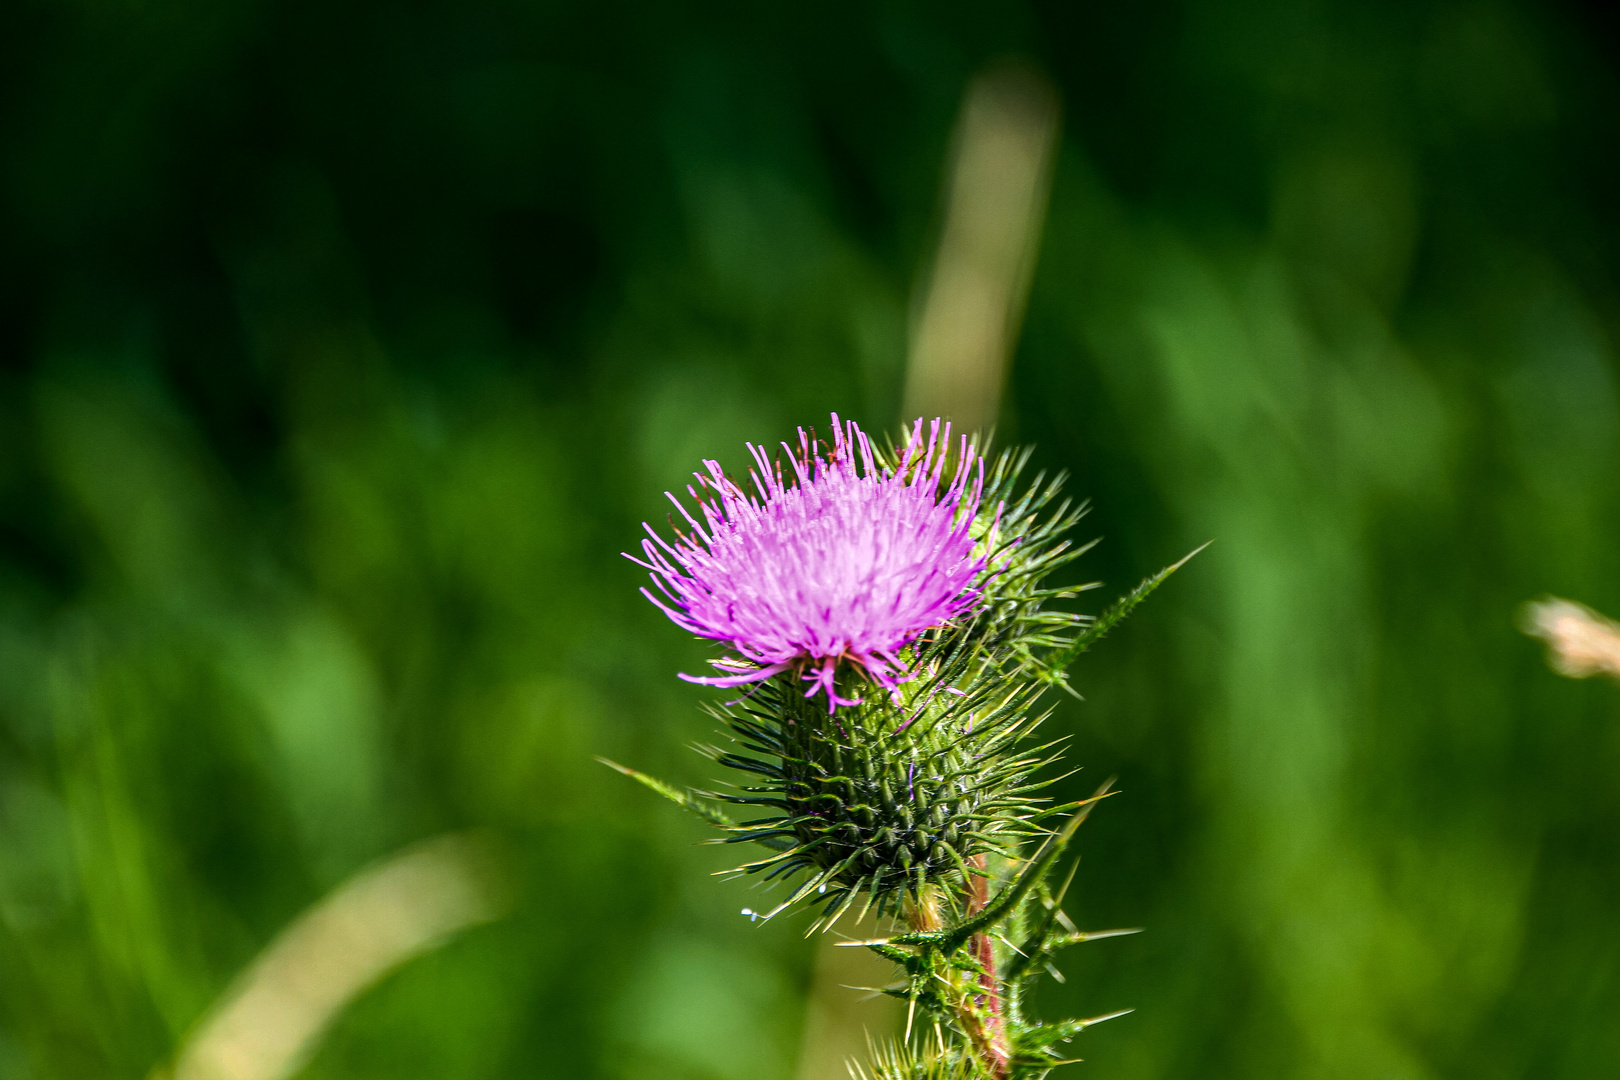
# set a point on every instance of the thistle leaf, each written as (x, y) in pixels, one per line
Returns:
(688, 800)
(949, 940)
(1111, 617)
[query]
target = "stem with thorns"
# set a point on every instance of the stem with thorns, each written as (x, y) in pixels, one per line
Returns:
(976, 1001)
(997, 1053)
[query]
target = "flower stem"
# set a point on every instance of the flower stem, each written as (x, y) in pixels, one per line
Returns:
(976, 1002)
(991, 1039)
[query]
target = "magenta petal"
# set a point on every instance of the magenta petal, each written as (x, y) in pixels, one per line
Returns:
(832, 559)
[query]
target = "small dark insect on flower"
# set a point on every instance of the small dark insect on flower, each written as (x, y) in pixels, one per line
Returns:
(850, 563)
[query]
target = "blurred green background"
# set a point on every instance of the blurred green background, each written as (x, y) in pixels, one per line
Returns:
(345, 345)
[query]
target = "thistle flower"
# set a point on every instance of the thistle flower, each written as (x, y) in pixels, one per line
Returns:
(850, 561)
(927, 802)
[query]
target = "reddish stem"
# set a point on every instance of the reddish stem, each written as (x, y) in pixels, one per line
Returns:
(994, 1038)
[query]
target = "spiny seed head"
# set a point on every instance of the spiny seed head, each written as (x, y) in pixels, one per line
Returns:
(886, 799)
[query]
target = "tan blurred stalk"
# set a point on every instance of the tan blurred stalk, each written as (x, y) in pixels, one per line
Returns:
(995, 206)
(1580, 642)
(269, 1022)
(841, 1020)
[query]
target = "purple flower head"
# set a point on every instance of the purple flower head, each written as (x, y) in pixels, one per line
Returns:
(844, 561)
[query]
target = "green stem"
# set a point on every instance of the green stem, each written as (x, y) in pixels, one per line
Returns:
(976, 1002)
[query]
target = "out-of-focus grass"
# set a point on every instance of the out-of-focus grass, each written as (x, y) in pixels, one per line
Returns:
(346, 345)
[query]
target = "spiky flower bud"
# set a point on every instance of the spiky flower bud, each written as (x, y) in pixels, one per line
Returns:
(890, 797)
